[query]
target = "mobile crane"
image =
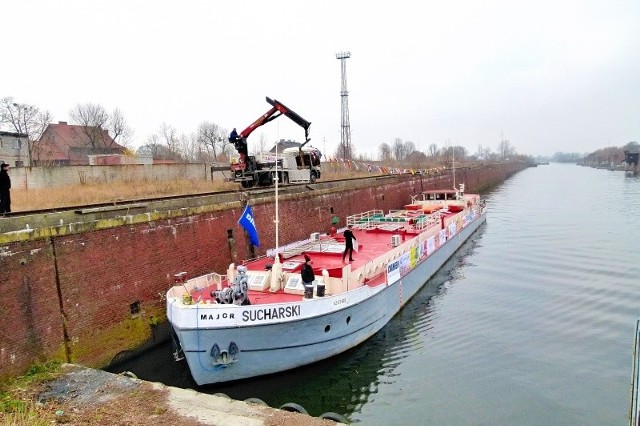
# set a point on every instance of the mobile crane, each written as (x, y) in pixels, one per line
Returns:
(297, 164)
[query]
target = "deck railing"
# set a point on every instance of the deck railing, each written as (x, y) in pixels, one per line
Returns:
(394, 220)
(364, 220)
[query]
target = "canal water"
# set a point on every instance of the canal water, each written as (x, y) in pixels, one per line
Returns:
(531, 323)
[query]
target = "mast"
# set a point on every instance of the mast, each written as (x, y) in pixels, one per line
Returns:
(276, 220)
(276, 268)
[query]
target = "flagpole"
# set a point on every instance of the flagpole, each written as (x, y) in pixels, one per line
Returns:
(276, 268)
(276, 221)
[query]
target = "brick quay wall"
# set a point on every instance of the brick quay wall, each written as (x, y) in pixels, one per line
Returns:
(83, 289)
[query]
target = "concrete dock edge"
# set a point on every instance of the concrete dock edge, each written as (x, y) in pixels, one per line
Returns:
(81, 391)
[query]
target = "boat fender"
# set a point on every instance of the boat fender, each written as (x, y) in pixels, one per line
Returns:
(293, 407)
(335, 417)
(256, 401)
(231, 272)
(129, 374)
(222, 395)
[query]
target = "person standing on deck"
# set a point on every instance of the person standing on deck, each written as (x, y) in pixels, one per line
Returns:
(5, 187)
(307, 275)
(349, 238)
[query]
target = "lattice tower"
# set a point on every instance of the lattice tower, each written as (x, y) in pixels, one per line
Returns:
(345, 138)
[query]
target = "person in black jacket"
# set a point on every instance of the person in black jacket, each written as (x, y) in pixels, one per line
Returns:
(233, 136)
(348, 239)
(5, 186)
(308, 277)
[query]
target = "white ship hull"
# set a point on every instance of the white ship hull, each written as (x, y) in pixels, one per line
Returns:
(223, 343)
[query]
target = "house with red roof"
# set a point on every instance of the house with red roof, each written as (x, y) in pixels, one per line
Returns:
(72, 145)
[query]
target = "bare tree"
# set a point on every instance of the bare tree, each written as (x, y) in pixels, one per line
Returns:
(37, 128)
(505, 149)
(93, 119)
(384, 151)
(483, 152)
(345, 151)
(433, 150)
(261, 145)
(190, 147)
(460, 152)
(211, 137)
(25, 119)
(167, 136)
(416, 159)
(120, 129)
(36, 150)
(155, 149)
(455, 152)
(409, 147)
(398, 149)
(17, 117)
(228, 151)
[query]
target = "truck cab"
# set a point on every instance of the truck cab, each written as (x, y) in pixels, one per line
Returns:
(292, 165)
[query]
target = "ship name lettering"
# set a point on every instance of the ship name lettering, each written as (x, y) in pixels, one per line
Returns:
(271, 313)
(340, 301)
(224, 315)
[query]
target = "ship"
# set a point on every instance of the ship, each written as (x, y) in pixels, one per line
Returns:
(259, 317)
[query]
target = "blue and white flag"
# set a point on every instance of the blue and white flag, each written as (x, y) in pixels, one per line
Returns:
(247, 222)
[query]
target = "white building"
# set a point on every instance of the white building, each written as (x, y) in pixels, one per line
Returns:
(14, 149)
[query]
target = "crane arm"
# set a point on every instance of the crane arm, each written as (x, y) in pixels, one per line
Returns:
(263, 119)
(293, 116)
(278, 109)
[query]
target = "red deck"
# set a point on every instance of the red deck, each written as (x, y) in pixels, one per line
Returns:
(371, 244)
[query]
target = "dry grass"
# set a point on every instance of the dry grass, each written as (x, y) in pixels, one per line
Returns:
(47, 198)
(28, 414)
(80, 195)
(144, 406)
(21, 402)
(47, 396)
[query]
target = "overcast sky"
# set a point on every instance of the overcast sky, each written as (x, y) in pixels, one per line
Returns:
(547, 75)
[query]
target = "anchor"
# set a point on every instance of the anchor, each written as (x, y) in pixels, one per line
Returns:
(222, 358)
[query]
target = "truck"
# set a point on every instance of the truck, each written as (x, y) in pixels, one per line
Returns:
(292, 165)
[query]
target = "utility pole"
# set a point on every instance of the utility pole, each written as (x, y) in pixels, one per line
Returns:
(345, 137)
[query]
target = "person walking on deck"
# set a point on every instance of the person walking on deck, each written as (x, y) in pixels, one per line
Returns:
(349, 238)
